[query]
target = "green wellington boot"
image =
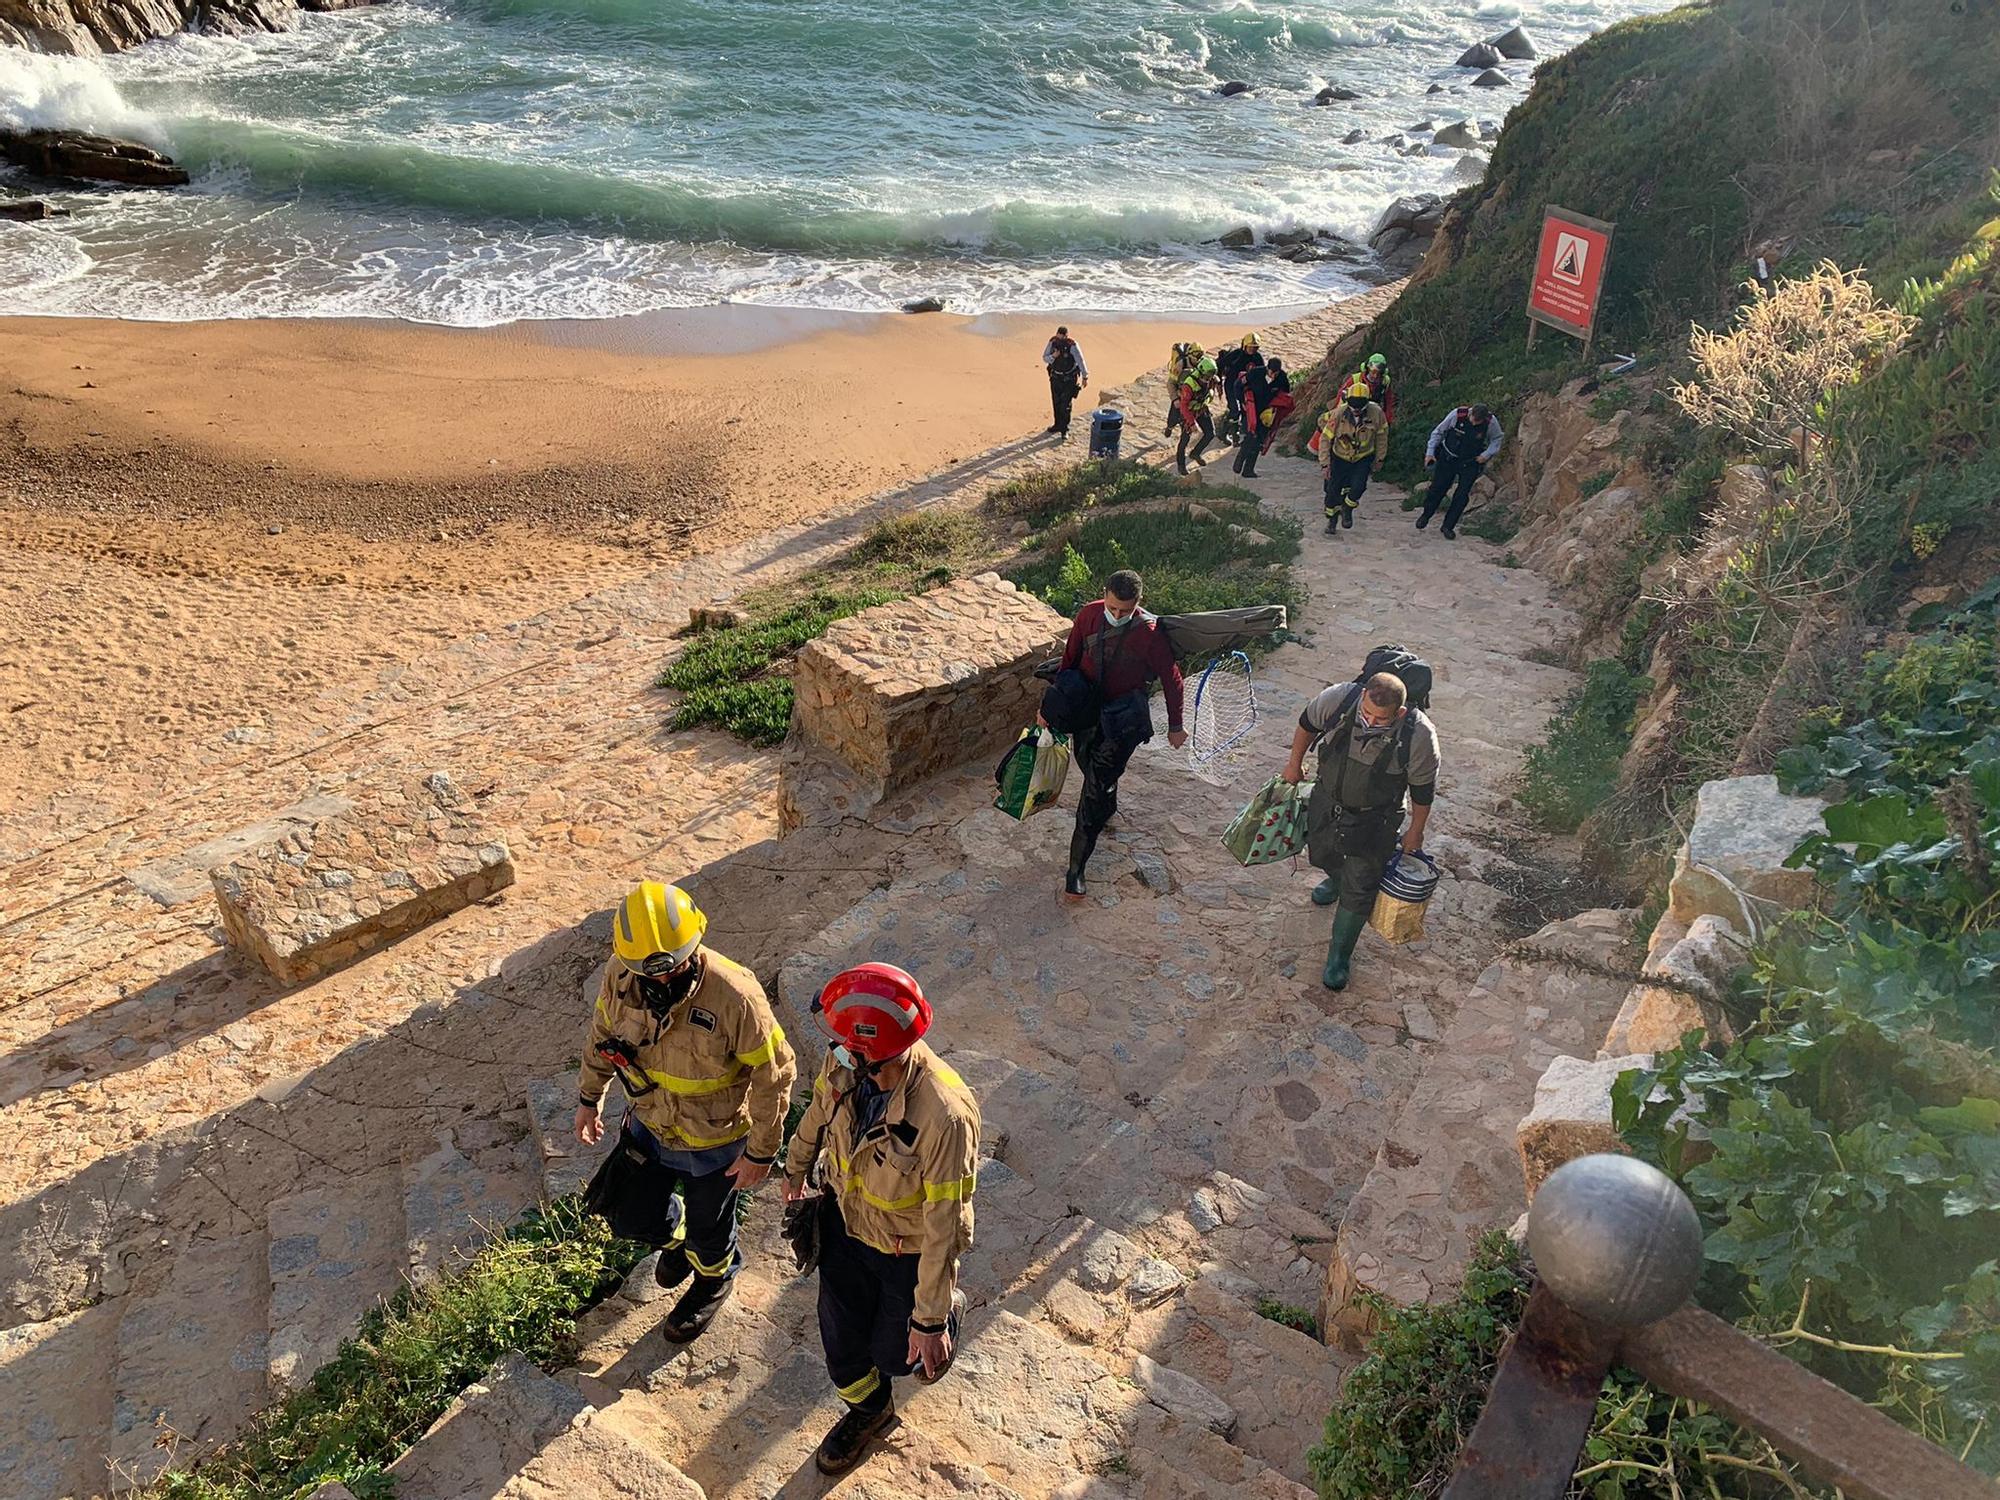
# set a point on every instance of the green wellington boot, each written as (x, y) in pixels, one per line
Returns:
(1326, 892)
(1347, 927)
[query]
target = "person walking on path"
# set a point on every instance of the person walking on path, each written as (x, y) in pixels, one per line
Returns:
(1119, 649)
(1258, 393)
(1352, 437)
(1458, 452)
(1230, 367)
(1373, 750)
(1068, 375)
(893, 1134)
(1195, 390)
(1281, 405)
(709, 1076)
(1380, 386)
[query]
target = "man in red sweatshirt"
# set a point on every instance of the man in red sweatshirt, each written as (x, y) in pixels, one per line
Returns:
(1120, 649)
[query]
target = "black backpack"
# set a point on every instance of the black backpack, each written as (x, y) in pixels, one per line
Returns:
(1414, 671)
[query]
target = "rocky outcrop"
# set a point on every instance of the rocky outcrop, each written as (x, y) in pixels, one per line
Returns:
(1514, 45)
(1334, 95)
(91, 158)
(1492, 78)
(28, 210)
(1481, 55)
(1405, 230)
(1462, 136)
(87, 27)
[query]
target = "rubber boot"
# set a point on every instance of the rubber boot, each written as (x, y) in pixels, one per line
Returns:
(1347, 927)
(1347, 505)
(1333, 526)
(1082, 843)
(1326, 892)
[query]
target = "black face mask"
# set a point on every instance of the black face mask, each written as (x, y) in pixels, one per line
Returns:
(660, 996)
(1357, 404)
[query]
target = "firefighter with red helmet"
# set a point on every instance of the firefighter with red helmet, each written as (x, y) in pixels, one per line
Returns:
(893, 1134)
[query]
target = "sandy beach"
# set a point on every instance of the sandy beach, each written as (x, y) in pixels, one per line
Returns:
(204, 524)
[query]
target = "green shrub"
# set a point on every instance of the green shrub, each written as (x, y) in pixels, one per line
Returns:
(730, 676)
(1299, 1318)
(412, 1357)
(1566, 778)
(1406, 1410)
(1049, 495)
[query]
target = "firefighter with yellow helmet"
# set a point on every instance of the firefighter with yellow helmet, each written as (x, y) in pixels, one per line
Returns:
(691, 1039)
(1352, 437)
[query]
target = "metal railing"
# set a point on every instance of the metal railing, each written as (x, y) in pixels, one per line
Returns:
(1617, 1250)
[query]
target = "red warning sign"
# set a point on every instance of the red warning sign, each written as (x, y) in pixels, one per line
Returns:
(1569, 271)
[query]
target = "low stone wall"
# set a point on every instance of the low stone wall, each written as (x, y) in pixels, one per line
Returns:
(901, 692)
(402, 855)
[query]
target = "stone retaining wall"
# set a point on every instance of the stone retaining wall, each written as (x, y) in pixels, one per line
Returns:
(898, 693)
(402, 855)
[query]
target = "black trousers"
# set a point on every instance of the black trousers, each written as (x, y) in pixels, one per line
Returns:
(1062, 394)
(1456, 477)
(1347, 476)
(866, 1300)
(1358, 873)
(707, 1217)
(1207, 425)
(1103, 761)
(1245, 462)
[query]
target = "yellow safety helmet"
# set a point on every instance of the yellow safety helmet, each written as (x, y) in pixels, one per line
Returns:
(657, 929)
(1358, 387)
(1249, 341)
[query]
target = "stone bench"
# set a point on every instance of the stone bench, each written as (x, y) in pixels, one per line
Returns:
(903, 691)
(400, 855)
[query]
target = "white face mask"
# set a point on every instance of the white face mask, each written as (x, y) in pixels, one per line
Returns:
(847, 1059)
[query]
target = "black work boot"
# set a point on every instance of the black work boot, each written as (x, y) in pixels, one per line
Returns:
(1424, 520)
(1081, 845)
(1332, 524)
(845, 1446)
(672, 1268)
(697, 1309)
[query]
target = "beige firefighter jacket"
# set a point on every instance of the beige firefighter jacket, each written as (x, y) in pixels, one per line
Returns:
(722, 1068)
(906, 1187)
(1344, 436)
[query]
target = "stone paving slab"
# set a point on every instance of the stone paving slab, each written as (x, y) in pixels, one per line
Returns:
(191, 1354)
(402, 854)
(334, 1252)
(185, 876)
(566, 1163)
(469, 1186)
(56, 1403)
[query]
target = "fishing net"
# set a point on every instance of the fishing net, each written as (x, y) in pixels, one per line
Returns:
(1225, 713)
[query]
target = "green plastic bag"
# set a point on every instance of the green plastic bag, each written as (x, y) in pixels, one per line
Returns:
(1273, 826)
(1031, 775)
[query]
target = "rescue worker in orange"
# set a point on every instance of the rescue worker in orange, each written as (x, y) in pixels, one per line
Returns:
(892, 1137)
(692, 1041)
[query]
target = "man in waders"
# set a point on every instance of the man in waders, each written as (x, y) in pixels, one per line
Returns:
(894, 1135)
(1119, 649)
(692, 1040)
(1352, 437)
(1372, 750)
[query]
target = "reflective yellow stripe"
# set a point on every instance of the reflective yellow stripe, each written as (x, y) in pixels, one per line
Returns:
(603, 1010)
(946, 1075)
(675, 1085)
(765, 1053)
(845, 1167)
(703, 1142)
(939, 1192)
(862, 1389)
(720, 1268)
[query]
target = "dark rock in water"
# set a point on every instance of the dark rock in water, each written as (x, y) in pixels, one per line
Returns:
(333, 4)
(1232, 88)
(1354, 138)
(1492, 78)
(1436, 88)
(26, 210)
(923, 305)
(1237, 239)
(1468, 169)
(93, 158)
(1462, 136)
(1480, 55)
(1418, 214)
(1332, 95)
(1423, 125)
(1514, 46)
(1290, 237)
(1336, 248)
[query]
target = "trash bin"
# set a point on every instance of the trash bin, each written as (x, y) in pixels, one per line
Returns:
(1106, 424)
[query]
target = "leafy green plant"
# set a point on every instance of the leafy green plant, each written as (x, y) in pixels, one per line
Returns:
(413, 1356)
(730, 676)
(1597, 484)
(1292, 1317)
(1571, 773)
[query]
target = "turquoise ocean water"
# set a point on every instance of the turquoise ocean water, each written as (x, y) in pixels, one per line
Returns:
(478, 161)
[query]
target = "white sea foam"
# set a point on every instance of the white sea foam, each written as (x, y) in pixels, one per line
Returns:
(38, 91)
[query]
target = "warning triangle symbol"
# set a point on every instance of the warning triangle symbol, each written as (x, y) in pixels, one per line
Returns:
(1568, 266)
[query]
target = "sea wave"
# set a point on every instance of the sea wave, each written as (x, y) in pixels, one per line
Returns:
(39, 91)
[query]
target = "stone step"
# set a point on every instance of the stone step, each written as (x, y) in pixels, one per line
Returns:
(519, 1434)
(335, 1251)
(566, 1164)
(461, 1187)
(58, 1403)
(191, 1357)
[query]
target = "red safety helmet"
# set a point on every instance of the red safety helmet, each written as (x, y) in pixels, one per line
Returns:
(875, 1011)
